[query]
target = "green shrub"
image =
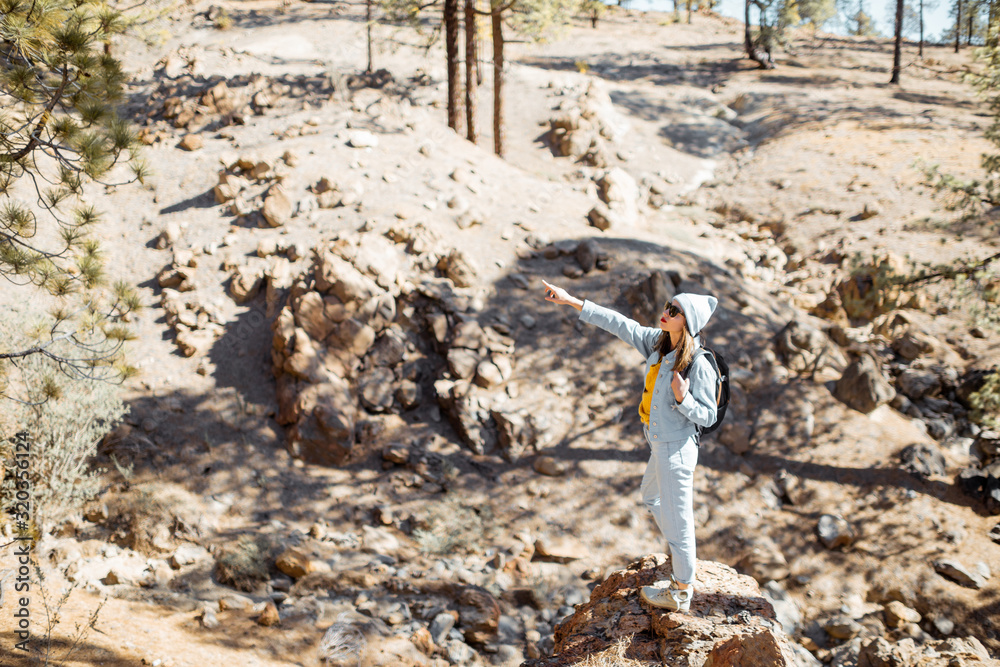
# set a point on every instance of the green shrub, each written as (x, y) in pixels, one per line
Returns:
(450, 526)
(986, 402)
(873, 286)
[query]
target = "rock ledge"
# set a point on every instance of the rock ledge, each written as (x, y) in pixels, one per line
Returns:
(730, 622)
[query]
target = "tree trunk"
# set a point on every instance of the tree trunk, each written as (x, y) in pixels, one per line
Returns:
(760, 53)
(747, 34)
(968, 39)
(470, 71)
(498, 122)
(451, 51)
(689, 2)
(677, 11)
(897, 49)
(920, 51)
(368, 24)
(958, 26)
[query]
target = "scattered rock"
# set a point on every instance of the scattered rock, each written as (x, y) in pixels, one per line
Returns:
(916, 383)
(379, 540)
(835, 532)
(913, 345)
(559, 549)
(757, 648)
(832, 309)
(458, 268)
(186, 554)
(440, 626)
(546, 465)
(244, 284)
(195, 343)
(376, 389)
(191, 142)
(764, 562)
(842, 627)
(959, 573)
(208, 619)
(294, 563)
(871, 290)
(897, 614)
(587, 254)
(922, 459)
(277, 209)
(478, 614)
(362, 139)
(235, 603)
(269, 616)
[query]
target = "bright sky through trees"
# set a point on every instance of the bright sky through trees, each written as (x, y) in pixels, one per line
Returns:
(936, 20)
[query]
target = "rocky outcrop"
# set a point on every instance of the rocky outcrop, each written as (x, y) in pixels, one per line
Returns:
(880, 652)
(340, 352)
(334, 315)
(585, 126)
(730, 622)
(619, 205)
(805, 349)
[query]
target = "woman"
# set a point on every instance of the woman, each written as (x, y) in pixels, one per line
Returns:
(679, 396)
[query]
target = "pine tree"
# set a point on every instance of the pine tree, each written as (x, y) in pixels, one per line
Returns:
(897, 50)
(816, 12)
(976, 195)
(532, 19)
(471, 72)
(59, 130)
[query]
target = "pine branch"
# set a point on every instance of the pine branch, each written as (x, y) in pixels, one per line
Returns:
(43, 121)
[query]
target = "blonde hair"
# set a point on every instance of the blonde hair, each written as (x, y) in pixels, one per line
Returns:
(685, 348)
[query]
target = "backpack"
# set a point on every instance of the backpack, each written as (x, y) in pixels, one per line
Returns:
(722, 390)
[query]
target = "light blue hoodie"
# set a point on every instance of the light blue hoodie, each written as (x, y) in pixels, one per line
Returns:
(668, 419)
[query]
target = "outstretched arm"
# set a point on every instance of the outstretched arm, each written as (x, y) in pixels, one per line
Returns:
(641, 338)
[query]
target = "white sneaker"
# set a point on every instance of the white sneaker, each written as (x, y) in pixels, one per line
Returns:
(674, 599)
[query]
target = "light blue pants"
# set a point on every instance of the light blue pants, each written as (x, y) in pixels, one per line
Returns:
(668, 491)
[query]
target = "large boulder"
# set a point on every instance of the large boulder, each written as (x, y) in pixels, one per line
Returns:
(863, 386)
(805, 349)
(729, 616)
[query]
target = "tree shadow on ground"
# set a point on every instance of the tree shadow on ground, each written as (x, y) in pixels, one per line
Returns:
(640, 65)
(204, 200)
(84, 650)
(937, 100)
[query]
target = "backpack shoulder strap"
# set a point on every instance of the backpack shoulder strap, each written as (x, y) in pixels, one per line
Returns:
(700, 352)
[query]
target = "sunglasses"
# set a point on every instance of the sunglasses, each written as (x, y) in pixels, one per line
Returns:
(673, 311)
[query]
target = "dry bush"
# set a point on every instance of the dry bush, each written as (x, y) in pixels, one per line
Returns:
(613, 656)
(141, 520)
(247, 563)
(65, 426)
(450, 526)
(150, 518)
